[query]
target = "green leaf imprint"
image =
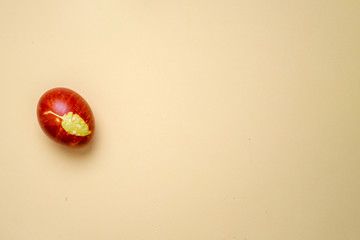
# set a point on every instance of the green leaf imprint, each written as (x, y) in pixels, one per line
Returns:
(75, 125)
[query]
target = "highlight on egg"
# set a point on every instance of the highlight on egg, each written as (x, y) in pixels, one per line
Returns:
(66, 117)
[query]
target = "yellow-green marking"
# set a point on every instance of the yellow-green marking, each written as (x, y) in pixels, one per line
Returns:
(73, 124)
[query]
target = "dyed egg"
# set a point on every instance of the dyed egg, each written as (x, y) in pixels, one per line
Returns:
(66, 117)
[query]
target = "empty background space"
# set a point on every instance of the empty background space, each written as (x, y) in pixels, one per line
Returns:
(214, 120)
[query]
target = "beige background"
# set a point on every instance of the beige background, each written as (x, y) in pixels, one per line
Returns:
(215, 120)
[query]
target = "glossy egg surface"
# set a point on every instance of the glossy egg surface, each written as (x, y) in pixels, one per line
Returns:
(66, 117)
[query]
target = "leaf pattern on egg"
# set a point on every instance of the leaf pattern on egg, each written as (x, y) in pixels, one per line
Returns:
(73, 124)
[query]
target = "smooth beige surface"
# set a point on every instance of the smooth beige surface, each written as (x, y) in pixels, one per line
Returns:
(215, 120)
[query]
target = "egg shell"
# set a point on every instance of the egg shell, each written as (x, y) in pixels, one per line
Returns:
(52, 107)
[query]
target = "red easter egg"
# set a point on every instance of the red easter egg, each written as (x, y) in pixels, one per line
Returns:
(66, 117)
